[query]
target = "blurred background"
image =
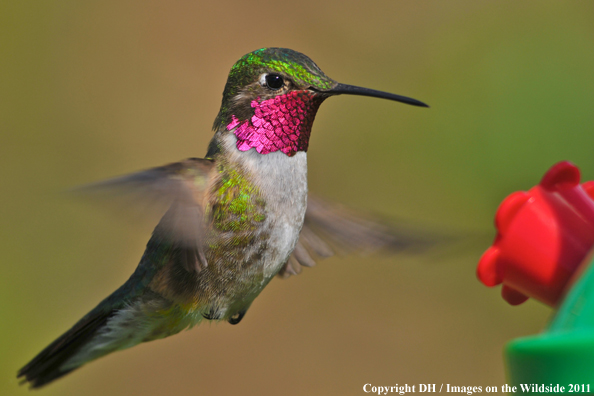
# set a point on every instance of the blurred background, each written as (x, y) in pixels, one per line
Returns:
(91, 90)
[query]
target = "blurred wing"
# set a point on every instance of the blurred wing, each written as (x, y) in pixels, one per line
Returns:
(329, 229)
(175, 189)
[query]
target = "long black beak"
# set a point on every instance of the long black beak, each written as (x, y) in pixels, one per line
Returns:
(353, 90)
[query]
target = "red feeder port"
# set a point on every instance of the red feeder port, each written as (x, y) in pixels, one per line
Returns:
(542, 237)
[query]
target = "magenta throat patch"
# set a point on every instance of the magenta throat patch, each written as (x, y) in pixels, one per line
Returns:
(281, 123)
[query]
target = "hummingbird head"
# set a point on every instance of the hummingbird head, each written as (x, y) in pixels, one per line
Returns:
(272, 96)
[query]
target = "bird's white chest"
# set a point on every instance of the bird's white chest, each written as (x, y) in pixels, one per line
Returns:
(282, 182)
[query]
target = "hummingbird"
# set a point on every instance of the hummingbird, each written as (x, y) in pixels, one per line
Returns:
(233, 220)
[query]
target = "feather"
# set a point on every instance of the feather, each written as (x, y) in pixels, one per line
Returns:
(47, 365)
(330, 228)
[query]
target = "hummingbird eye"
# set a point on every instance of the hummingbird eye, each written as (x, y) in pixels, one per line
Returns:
(274, 81)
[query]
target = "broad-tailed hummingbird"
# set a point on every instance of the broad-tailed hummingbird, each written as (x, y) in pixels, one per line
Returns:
(235, 219)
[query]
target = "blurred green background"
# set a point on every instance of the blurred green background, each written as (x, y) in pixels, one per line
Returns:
(90, 90)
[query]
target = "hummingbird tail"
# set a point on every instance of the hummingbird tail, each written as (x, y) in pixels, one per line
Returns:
(49, 364)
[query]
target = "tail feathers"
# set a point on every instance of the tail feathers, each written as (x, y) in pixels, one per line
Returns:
(48, 365)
